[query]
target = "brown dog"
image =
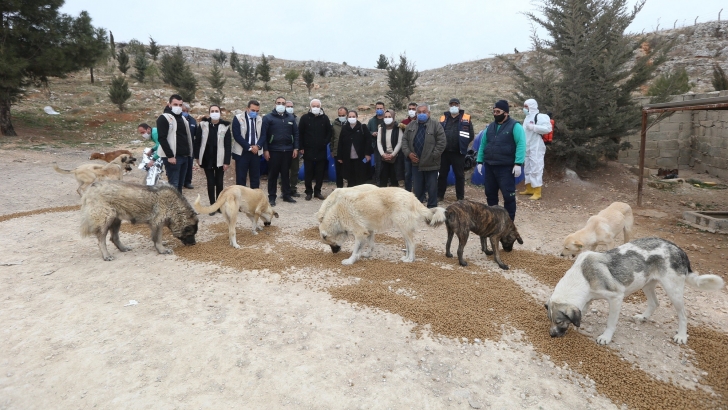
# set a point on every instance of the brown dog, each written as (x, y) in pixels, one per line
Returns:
(492, 222)
(110, 156)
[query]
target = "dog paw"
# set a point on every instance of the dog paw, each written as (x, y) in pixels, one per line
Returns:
(603, 339)
(463, 263)
(487, 252)
(108, 258)
(680, 339)
(124, 249)
(367, 254)
(347, 262)
(504, 266)
(407, 259)
(166, 251)
(639, 318)
(255, 232)
(448, 254)
(236, 246)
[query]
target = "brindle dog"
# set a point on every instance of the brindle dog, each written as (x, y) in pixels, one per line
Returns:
(492, 222)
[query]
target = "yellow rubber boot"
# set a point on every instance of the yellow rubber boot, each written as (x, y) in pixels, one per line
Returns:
(536, 194)
(528, 191)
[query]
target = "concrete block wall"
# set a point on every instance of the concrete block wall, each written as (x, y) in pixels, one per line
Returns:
(685, 139)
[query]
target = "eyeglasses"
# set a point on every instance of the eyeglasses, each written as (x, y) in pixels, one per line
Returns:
(498, 112)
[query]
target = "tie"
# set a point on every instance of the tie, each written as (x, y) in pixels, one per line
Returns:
(253, 137)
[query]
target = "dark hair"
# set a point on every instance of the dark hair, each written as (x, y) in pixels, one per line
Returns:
(352, 111)
(378, 103)
(254, 102)
(279, 97)
(175, 97)
(411, 104)
(213, 105)
(144, 125)
(550, 114)
(342, 108)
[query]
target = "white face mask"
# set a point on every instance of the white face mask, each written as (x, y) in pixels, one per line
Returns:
(388, 120)
(525, 111)
(412, 113)
(289, 110)
(214, 116)
(316, 110)
(342, 119)
(280, 109)
(146, 136)
(176, 110)
(454, 110)
(352, 121)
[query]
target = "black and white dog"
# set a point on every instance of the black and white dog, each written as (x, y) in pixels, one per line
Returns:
(640, 264)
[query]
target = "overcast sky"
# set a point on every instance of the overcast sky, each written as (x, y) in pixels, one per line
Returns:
(432, 33)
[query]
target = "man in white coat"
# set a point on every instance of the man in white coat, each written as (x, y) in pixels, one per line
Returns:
(536, 124)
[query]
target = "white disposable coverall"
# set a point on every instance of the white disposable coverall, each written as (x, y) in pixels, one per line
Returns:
(535, 148)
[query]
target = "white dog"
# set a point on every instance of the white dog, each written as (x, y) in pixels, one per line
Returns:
(363, 211)
(640, 264)
(601, 229)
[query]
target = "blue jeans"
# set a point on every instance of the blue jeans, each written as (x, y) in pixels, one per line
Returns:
(407, 174)
(500, 177)
(425, 182)
(176, 173)
(188, 175)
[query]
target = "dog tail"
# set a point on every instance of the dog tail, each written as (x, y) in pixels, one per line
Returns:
(207, 209)
(704, 282)
(434, 216)
(61, 171)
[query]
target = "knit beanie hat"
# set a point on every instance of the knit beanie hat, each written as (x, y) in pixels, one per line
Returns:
(502, 104)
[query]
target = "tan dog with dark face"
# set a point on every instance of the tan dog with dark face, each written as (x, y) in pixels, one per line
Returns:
(492, 222)
(109, 156)
(107, 203)
(601, 229)
(126, 161)
(237, 198)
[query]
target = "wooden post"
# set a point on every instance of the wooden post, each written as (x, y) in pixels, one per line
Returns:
(643, 141)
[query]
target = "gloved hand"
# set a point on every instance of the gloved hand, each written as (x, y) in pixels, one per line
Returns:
(516, 171)
(530, 126)
(479, 167)
(402, 126)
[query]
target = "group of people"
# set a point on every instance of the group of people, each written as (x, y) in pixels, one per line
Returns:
(418, 149)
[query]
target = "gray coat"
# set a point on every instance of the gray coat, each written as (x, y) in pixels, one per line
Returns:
(435, 142)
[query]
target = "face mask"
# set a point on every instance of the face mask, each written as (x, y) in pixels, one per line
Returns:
(289, 110)
(316, 110)
(215, 116)
(253, 114)
(388, 120)
(412, 113)
(499, 118)
(146, 135)
(176, 110)
(454, 110)
(525, 111)
(380, 112)
(352, 121)
(280, 109)
(342, 119)
(422, 117)
(186, 114)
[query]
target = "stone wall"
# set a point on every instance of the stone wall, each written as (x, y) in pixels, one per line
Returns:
(696, 140)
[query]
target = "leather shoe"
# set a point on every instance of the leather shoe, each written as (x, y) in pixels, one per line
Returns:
(319, 196)
(289, 199)
(272, 202)
(189, 186)
(295, 195)
(308, 197)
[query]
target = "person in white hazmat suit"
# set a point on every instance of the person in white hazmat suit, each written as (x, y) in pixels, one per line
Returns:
(535, 147)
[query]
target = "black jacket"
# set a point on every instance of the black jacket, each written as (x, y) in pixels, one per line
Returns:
(209, 157)
(183, 148)
(279, 132)
(315, 133)
(360, 137)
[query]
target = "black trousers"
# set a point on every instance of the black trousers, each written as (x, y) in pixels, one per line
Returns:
(388, 174)
(314, 170)
(279, 164)
(457, 161)
(357, 172)
(214, 182)
(339, 175)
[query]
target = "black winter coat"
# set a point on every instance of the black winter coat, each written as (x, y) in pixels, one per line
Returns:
(360, 137)
(315, 133)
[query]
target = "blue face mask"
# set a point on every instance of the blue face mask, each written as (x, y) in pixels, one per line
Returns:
(186, 114)
(253, 114)
(525, 111)
(422, 117)
(380, 112)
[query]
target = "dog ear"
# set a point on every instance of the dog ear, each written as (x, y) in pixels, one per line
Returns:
(546, 305)
(574, 316)
(578, 244)
(518, 238)
(275, 214)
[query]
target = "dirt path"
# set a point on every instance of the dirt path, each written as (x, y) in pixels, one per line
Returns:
(223, 332)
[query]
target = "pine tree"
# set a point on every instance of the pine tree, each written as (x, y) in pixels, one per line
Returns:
(37, 44)
(401, 79)
(119, 91)
(176, 72)
(669, 84)
(594, 72)
(291, 76)
(220, 57)
(187, 87)
(234, 60)
(140, 65)
(112, 45)
(720, 80)
(382, 63)
(217, 82)
(123, 60)
(246, 71)
(136, 48)
(153, 48)
(308, 76)
(90, 43)
(262, 70)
